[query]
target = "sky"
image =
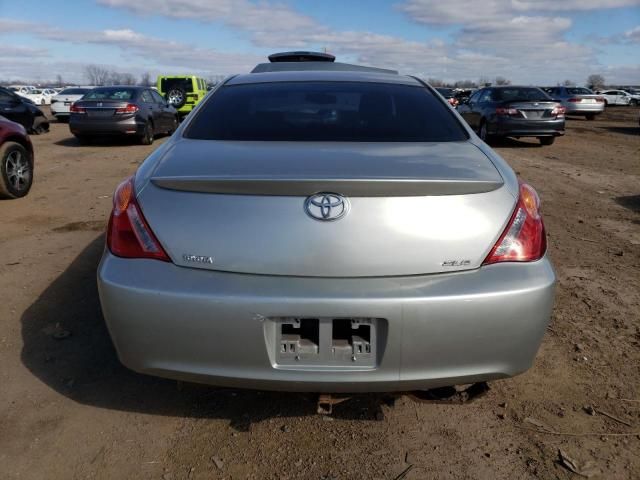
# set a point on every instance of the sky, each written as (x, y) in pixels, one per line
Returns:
(525, 41)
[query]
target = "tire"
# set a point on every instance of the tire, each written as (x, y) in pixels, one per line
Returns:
(147, 137)
(547, 140)
(39, 126)
(42, 102)
(633, 102)
(591, 116)
(177, 96)
(84, 139)
(606, 102)
(484, 135)
(16, 170)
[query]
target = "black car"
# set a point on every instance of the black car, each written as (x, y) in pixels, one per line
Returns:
(23, 111)
(512, 111)
(138, 112)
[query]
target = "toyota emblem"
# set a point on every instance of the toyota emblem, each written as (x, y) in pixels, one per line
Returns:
(326, 206)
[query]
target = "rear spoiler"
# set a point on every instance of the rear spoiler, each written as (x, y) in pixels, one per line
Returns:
(354, 187)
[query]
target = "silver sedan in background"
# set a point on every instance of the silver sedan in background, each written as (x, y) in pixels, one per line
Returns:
(319, 226)
(578, 101)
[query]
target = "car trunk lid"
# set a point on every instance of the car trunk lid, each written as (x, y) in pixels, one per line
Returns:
(240, 206)
(101, 109)
(533, 110)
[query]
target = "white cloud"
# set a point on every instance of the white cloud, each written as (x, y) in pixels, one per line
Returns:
(438, 12)
(633, 35)
(155, 53)
(523, 40)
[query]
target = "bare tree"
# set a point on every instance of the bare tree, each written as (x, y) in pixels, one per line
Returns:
(502, 81)
(435, 82)
(145, 79)
(127, 79)
(569, 83)
(464, 84)
(96, 75)
(595, 80)
(59, 81)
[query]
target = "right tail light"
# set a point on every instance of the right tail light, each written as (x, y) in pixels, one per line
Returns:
(524, 239)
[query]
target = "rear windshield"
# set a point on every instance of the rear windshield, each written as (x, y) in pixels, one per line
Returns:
(326, 111)
(579, 91)
(168, 84)
(515, 94)
(110, 93)
(74, 91)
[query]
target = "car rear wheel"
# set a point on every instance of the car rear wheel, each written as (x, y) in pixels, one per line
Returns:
(177, 96)
(16, 170)
(484, 134)
(147, 137)
(591, 116)
(547, 140)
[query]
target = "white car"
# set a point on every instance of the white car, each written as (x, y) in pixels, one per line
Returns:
(39, 97)
(635, 96)
(21, 90)
(61, 103)
(616, 97)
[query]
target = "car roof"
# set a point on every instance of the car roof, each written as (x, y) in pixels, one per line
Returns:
(513, 86)
(370, 76)
(132, 87)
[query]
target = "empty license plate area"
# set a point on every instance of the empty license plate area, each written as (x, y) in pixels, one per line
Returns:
(326, 342)
(532, 114)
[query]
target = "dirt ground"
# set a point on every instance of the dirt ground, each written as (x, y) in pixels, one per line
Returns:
(69, 410)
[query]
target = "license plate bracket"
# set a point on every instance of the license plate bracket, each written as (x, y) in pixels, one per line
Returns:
(325, 342)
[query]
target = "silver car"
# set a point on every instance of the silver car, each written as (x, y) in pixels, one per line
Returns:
(319, 226)
(578, 100)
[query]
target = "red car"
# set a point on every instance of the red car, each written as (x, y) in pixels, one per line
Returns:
(16, 160)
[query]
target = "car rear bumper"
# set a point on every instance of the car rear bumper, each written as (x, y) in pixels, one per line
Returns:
(60, 109)
(583, 109)
(82, 126)
(215, 327)
(513, 127)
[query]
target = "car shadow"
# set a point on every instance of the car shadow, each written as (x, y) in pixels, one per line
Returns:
(633, 130)
(632, 202)
(67, 346)
(508, 142)
(98, 142)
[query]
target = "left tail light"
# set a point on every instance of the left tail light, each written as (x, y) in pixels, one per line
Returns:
(76, 109)
(130, 108)
(507, 112)
(128, 234)
(524, 239)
